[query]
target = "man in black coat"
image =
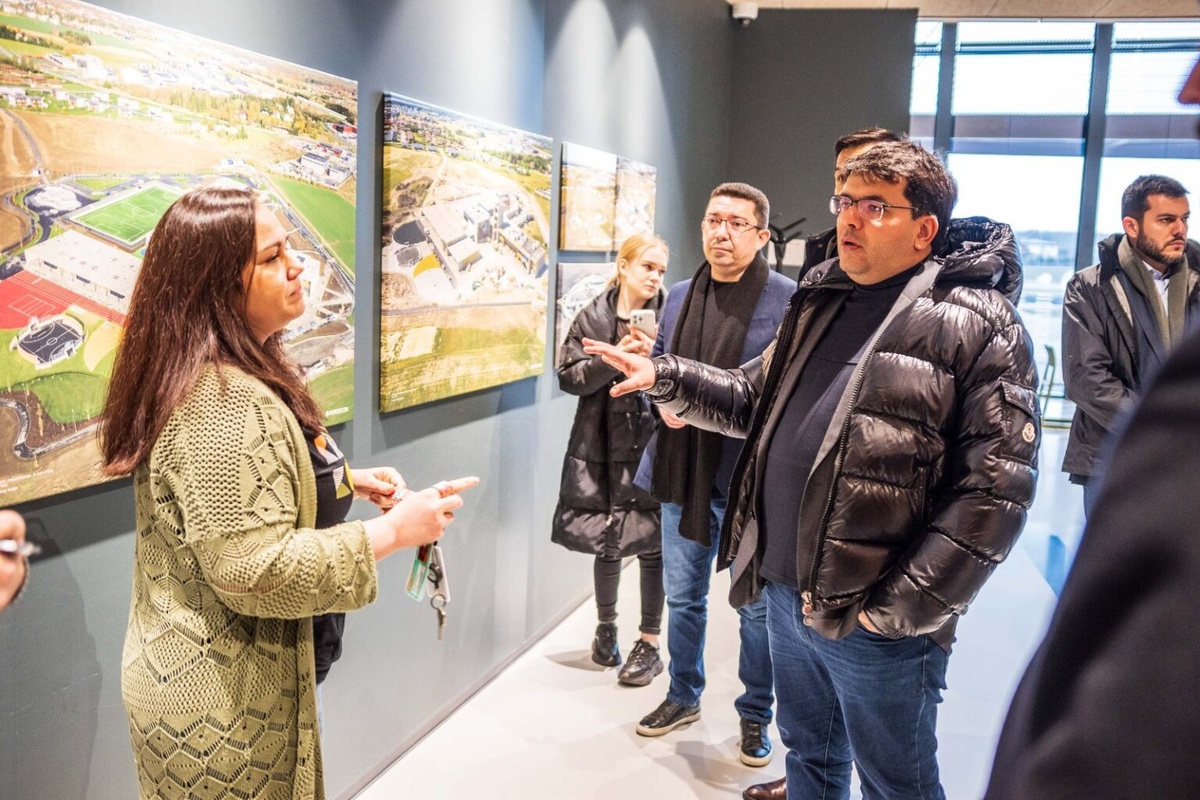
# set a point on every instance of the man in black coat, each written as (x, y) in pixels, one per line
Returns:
(1122, 316)
(1108, 705)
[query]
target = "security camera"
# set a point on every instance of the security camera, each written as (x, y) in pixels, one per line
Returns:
(744, 12)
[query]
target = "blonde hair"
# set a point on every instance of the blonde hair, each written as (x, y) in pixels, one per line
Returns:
(632, 249)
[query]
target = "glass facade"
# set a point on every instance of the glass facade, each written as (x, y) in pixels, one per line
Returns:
(1048, 123)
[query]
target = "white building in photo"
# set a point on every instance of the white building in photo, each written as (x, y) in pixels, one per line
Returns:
(87, 267)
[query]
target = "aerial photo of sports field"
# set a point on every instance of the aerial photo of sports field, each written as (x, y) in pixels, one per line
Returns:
(104, 121)
(587, 199)
(466, 207)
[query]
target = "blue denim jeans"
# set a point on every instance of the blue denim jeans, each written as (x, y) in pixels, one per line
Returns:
(687, 574)
(866, 698)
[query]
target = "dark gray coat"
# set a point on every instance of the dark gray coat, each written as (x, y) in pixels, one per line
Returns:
(599, 508)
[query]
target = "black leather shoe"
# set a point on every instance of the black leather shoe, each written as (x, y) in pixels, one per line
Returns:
(773, 790)
(754, 749)
(604, 646)
(643, 664)
(666, 718)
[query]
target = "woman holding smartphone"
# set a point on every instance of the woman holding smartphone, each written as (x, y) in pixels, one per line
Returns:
(599, 510)
(241, 499)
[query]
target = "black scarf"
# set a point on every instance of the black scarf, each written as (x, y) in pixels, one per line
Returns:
(686, 460)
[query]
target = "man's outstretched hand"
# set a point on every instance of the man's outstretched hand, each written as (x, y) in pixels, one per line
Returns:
(638, 370)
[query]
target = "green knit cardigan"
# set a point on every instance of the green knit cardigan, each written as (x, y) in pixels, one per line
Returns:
(217, 671)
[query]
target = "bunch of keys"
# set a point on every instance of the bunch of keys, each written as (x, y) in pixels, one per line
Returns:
(429, 568)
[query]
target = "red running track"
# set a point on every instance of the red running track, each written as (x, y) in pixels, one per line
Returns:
(24, 295)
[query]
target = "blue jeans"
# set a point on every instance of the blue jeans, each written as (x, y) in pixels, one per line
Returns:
(687, 573)
(866, 698)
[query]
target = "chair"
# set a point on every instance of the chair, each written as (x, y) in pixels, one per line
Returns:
(1049, 373)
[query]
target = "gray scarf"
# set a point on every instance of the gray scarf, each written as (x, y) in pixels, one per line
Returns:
(1171, 320)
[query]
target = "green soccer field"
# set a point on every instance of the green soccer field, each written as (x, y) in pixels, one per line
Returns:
(131, 219)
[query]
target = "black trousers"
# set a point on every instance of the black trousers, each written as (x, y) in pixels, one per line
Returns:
(607, 573)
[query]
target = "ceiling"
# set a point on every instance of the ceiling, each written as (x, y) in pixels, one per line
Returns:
(1014, 9)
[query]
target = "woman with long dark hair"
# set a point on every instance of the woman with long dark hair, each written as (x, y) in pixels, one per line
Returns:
(599, 510)
(226, 448)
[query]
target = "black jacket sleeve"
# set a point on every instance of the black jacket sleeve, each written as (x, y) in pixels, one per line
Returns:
(579, 373)
(978, 512)
(710, 398)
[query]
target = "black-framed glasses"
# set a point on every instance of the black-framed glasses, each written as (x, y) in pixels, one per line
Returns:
(868, 209)
(712, 224)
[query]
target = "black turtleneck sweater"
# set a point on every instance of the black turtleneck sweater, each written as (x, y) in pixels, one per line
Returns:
(806, 416)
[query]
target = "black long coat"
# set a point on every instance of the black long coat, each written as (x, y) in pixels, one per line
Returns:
(599, 508)
(1108, 705)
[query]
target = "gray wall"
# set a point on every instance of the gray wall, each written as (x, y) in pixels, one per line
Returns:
(669, 82)
(802, 80)
(646, 80)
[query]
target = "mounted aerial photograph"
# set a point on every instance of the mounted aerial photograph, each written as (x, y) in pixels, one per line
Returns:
(466, 226)
(105, 120)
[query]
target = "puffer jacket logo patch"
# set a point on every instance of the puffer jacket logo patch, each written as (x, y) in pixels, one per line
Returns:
(1028, 432)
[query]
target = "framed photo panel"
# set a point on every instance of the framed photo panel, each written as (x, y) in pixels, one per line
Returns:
(466, 209)
(587, 199)
(578, 285)
(106, 120)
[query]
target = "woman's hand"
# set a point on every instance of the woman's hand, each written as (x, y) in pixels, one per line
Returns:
(638, 369)
(13, 567)
(418, 518)
(670, 420)
(383, 486)
(636, 342)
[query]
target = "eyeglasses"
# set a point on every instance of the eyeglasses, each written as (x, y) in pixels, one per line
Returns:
(713, 224)
(870, 210)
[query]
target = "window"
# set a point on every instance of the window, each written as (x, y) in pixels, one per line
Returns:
(926, 63)
(1019, 128)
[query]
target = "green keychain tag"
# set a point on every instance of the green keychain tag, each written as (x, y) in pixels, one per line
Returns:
(415, 586)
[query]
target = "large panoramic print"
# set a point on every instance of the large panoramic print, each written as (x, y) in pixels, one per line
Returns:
(466, 209)
(104, 121)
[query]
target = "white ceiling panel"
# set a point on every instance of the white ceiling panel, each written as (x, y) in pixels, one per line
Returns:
(1014, 9)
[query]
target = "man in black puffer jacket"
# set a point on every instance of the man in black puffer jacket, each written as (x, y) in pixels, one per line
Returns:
(890, 459)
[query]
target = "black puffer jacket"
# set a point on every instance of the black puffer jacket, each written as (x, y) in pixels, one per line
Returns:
(598, 504)
(929, 466)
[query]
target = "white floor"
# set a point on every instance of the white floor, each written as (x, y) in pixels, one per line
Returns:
(555, 725)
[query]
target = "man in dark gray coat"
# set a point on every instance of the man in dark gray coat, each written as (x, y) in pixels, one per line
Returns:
(1122, 316)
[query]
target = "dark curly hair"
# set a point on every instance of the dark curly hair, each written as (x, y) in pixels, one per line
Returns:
(931, 189)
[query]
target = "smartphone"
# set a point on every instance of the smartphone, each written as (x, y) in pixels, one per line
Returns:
(643, 320)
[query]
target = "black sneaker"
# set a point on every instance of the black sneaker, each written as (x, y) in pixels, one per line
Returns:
(754, 748)
(604, 646)
(643, 664)
(666, 718)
